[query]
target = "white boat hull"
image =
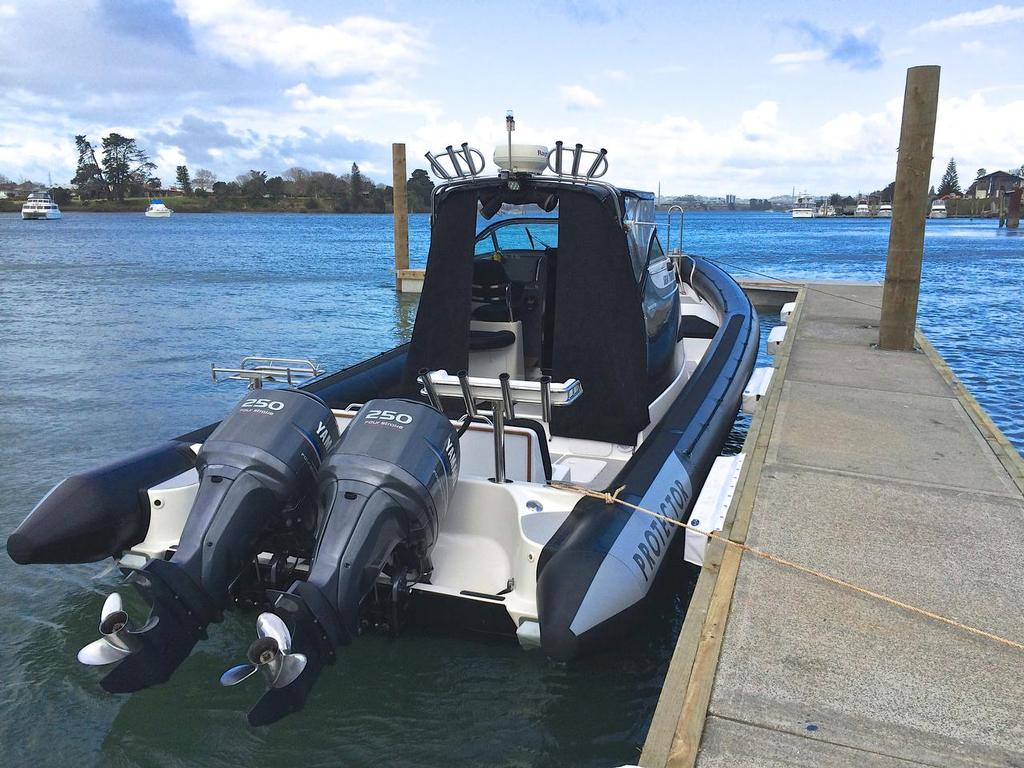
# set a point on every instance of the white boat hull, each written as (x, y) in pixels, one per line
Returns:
(159, 214)
(800, 213)
(40, 215)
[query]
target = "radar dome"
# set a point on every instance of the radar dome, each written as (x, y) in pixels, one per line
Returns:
(526, 158)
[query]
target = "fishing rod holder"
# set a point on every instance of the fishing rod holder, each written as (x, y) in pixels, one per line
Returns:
(470, 157)
(291, 371)
(503, 393)
(598, 167)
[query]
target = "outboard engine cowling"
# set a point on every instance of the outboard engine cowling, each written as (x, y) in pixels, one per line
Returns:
(257, 471)
(383, 493)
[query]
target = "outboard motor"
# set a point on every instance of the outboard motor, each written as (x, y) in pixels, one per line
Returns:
(383, 493)
(257, 473)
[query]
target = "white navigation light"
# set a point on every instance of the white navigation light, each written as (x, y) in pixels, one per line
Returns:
(526, 158)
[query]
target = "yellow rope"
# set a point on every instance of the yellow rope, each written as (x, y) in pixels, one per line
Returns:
(613, 498)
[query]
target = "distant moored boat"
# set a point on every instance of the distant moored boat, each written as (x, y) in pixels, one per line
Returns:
(938, 210)
(157, 210)
(40, 207)
(885, 210)
(804, 207)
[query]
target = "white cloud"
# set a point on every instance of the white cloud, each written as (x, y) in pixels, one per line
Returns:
(984, 50)
(371, 99)
(760, 122)
(7, 11)
(246, 33)
(997, 14)
(578, 97)
(796, 58)
(616, 75)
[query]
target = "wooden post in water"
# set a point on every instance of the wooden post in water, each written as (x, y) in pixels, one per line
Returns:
(909, 209)
(1013, 208)
(400, 205)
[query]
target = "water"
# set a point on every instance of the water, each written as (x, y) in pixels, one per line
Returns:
(107, 326)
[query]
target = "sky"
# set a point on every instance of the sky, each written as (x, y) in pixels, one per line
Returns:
(744, 98)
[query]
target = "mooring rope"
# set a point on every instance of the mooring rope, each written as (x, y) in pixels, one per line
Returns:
(613, 498)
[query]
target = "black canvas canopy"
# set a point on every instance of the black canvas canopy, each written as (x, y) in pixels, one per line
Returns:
(599, 328)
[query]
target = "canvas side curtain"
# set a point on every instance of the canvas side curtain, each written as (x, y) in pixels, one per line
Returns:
(440, 337)
(600, 335)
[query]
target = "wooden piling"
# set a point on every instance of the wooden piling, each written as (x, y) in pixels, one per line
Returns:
(1013, 208)
(910, 208)
(400, 205)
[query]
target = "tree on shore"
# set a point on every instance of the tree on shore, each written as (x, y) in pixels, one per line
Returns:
(124, 166)
(182, 177)
(88, 178)
(204, 180)
(275, 187)
(950, 184)
(355, 188)
(253, 184)
(420, 188)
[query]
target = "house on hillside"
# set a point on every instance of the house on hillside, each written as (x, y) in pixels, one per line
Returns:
(993, 185)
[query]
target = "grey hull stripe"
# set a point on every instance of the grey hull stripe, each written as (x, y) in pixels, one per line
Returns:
(628, 570)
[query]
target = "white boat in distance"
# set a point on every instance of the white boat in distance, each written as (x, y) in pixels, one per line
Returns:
(804, 207)
(40, 206)
(157, 210)
(885, 210)
(938, 210)
(862, 209)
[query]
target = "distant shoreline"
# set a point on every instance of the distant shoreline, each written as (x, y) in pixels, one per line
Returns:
(209, 204)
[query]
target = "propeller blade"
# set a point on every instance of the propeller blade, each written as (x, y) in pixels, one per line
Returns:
(291, 667)
(273, 626)
(100, 652)
(237, 674)
(112, 604)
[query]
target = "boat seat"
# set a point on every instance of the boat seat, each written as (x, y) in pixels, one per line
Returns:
(496, 348)
(479, 340)
(492, 292)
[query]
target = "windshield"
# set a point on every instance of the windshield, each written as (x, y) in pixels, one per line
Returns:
(517, 235)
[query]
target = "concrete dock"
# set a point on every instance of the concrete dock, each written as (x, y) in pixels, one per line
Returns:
(877, 468)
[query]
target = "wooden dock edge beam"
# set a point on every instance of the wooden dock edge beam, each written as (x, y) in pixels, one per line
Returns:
(678, 724)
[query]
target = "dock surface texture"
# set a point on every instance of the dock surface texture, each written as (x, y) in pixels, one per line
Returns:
(879, 469)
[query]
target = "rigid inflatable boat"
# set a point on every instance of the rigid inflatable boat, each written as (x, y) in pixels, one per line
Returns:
(556, 348)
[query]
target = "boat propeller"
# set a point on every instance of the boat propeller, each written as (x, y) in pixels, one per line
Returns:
(118, 638)
(270, 655)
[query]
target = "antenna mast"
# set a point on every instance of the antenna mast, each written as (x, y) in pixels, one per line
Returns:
(510, 125)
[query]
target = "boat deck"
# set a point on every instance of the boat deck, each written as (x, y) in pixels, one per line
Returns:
(879, 469)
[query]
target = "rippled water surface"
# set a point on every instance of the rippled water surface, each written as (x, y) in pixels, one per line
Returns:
(108, 325)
